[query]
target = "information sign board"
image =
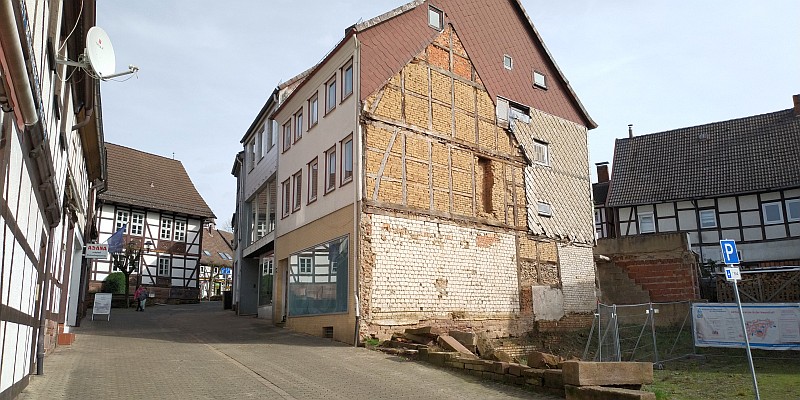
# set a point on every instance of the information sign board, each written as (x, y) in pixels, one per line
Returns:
(102, 305)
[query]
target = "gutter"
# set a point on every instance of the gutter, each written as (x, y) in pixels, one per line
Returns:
(17, 72)
(357, 168)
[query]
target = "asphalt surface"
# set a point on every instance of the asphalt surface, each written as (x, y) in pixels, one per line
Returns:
(200, 351)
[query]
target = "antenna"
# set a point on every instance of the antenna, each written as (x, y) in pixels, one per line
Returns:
(98, 58)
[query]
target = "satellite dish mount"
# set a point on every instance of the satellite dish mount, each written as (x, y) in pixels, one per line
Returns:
(98, 58)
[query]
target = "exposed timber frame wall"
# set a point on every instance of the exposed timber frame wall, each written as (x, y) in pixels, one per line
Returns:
(740, 218)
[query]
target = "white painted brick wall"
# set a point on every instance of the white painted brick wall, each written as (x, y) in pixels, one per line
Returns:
(577, 277)
(411, 255)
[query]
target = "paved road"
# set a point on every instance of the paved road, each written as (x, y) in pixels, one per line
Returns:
(200, 351)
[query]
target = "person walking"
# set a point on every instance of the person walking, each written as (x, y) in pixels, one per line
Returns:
(141, 298)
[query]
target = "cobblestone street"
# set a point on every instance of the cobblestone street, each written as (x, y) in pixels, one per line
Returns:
(200, 351)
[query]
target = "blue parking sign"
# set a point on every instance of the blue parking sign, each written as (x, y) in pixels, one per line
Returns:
(729, 254)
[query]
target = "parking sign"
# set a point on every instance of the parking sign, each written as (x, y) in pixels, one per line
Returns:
(729, 254)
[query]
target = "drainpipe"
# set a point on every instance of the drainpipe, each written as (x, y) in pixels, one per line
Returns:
(357, 192)
(17, 71)
(40, 350)
(85, 121)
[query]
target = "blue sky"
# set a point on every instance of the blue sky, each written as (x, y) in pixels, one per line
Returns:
(207, 67)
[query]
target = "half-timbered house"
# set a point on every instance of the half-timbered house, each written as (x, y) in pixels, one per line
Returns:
(216, 262)
(153, 199)
(736, 179)
(51, 162)
(433, 170)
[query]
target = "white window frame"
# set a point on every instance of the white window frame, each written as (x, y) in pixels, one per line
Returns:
(267, 267)
(137, 224)
(297, 190)
(539, 80)
(298, 125)
(641, 216)
(330, 170)
(166, 229)
(313, 110)
(179, 231)
(508, 62)
(345, 162)
(771, 204)
(790, 216)
(541, 151)
(305, 268)
(313, 180)
(347, 80)
(435, 18)
(207, 253)
(164, 268)
(286, 198)
(713, 220)
(287, 135)
(544, 209)
(122, 219)
(330, 89)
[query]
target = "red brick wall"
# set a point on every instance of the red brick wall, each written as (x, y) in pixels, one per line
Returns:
(666, 279)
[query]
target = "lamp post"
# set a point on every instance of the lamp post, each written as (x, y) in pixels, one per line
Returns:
(128, 261)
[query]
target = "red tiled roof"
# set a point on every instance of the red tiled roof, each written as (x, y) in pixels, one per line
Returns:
(150, 181)
(216, 241)
(488, 29)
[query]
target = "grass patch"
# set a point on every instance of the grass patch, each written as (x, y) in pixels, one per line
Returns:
(725, 374)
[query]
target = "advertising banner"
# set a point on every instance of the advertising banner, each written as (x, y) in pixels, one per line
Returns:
(770, 326)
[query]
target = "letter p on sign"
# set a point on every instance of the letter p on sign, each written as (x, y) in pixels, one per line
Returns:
(729, 254)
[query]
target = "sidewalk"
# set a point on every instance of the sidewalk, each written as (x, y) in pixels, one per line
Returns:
(200, 351)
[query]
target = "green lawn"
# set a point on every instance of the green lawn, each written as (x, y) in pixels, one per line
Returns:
(725, 374)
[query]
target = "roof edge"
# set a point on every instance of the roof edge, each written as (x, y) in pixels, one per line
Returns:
(362, 26)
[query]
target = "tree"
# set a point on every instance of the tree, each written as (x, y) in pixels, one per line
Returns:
(127, 262)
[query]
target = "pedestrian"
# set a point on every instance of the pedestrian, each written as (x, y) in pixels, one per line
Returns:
(141, 297)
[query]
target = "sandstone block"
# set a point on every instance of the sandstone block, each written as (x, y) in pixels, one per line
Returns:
(538, 359)
(605, 393)
(553, 378)
(584, 373)
(448, 342)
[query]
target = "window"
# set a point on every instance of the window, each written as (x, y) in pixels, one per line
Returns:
(793, 210)
(286, 192)
(163, 267)
(544, 209)
(298, 125)
(435, 18)
(137, 224)
(207, 253)
(298, 190)
(287, 135)
(313, 180)
(708, 219)
(330, 176)
(313, 110)
(539, 80)
(180, 231)
(122, 219)
(347, 81)
(305, 265)
(330, 96)
(508, 62)
(259, 145)
(267, 267)
(541, 153)
(647, 223)
(772, 213)
(251, 154)
(347, 160)
(273, 133)
(265, 145)
(166, 229)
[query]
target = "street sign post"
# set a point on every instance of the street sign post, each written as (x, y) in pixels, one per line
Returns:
(731, 257)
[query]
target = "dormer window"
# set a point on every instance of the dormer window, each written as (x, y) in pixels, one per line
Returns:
(435, 18)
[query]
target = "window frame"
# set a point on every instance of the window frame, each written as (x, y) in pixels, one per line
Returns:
(123, 216)
(330, 181)
(313, 180)
(313, 111)
(641, 216)
(330, 104)
(510, 64)
(167, 267)
(132, 224)
(440, 14)
(161, 229)
(538, 144)
(251, 154)
(286, 198)
(176, 231)
(713, 219)
(310, 265)
(298, 125)
(297, 190)
(342, 162)
(347, 67)
(537, 83)
(791, 217)
(286, 133)
(264, 133)
(777, 204)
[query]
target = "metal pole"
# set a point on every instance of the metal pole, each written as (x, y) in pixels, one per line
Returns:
(746, 338)
(653, 328)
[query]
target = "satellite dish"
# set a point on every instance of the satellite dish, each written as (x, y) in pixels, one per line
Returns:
(100, 52)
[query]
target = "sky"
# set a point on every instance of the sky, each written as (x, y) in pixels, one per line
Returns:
(208, 66)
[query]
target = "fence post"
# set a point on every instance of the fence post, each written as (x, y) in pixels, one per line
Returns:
(653, 328)
(599, 334)
(617, 347)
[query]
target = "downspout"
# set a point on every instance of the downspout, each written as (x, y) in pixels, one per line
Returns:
(40, 350)
(86, 120)
(357, 192)
(17, 70)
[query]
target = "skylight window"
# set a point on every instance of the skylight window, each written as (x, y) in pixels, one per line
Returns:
(508, 62)
(539, 80)
(206, 252)
(435, 18)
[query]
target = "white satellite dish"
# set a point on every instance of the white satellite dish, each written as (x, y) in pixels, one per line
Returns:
(100, 52)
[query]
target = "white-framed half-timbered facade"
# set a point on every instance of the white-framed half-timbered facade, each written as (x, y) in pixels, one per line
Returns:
(154, 200)
(737, 180)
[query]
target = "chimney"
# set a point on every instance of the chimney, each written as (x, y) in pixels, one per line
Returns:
(796, 99)
(630, 130)
(602, 172)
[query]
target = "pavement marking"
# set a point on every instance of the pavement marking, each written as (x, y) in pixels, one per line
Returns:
(262, 380)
